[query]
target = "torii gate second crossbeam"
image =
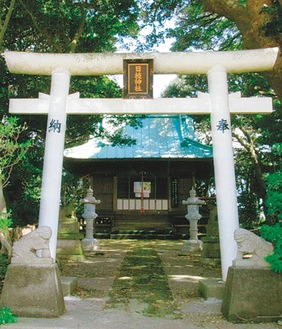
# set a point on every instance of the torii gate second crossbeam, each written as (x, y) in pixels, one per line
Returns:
(218, 103)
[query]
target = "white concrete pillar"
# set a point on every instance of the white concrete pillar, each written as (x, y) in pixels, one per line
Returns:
(226, 194)
(53, 156)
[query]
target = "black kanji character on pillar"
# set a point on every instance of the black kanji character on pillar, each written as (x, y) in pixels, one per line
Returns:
(54, 126)
(222, 125)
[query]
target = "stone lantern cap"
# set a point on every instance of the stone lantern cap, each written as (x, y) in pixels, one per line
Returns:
(193, 200)
(90, 199)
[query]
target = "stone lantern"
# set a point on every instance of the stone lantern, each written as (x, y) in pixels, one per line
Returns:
(89, 243)
(193, 204)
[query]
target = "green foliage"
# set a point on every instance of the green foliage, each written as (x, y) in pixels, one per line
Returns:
(5, 16)
(274, 235)
(12, 149)
(60, 27)
(5, 221)
(274, 194)
(73, 190)
(196, 29)
(274, 188)
(23, 194)
(4, 262)
(69, 26)
(6, 316)
(273, 28)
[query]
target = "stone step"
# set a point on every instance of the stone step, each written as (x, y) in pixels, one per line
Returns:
(69, 285)
(139, 225)
(140, 228)
(211, 288)
(139, 234)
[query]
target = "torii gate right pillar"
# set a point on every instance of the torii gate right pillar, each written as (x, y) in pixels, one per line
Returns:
(228, 219)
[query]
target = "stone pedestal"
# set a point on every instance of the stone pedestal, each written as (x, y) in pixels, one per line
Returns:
(70, 249)
(252, 295)
(211, 251)
(90, 245)
(69, 239)
(192, 245)
(211, 245)
(33, 291)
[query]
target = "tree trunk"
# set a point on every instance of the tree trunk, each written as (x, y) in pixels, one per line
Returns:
(2, 199)
(249, 146)
(4, 26)
(251, 21)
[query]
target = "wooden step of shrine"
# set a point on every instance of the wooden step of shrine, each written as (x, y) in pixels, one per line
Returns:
(138, 221)
(143, 226)
(143, 234)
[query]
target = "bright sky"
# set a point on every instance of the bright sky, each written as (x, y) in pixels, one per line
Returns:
(161, 81)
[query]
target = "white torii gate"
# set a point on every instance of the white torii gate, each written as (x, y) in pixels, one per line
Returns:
(218, 103)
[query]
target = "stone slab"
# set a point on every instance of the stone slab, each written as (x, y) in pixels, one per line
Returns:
(95, 283)
(211, 288)
(69, 285)
(214, 262)
(252, 295)
(69, 247)
(33, 291)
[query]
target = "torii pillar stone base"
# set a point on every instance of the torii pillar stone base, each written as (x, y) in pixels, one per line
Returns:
(33, 291)
(252, 295)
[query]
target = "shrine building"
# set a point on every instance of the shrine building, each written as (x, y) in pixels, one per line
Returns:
(142, 185)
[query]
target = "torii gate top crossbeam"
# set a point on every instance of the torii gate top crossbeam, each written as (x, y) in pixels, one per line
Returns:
(256, 60)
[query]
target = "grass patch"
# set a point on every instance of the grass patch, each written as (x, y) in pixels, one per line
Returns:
(6, 316)
(4, 262)
(141, 284)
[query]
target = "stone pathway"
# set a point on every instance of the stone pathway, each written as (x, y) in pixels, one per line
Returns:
(141, 284)
(97, 277)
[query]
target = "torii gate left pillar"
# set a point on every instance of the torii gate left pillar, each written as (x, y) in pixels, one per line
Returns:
(53, 155)
(218, 103)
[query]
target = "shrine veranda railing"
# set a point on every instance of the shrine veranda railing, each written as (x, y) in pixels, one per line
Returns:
(138, 204)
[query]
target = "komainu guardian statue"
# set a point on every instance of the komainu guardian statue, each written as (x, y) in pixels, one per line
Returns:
(33, 248)
(252, 250)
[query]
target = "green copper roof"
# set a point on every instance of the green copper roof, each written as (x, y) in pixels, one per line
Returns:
(159, 137)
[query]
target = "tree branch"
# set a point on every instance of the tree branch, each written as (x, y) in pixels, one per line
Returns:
(80, 29)
(6, 23)
(47, 35)
(249, 147)
(228, 8)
